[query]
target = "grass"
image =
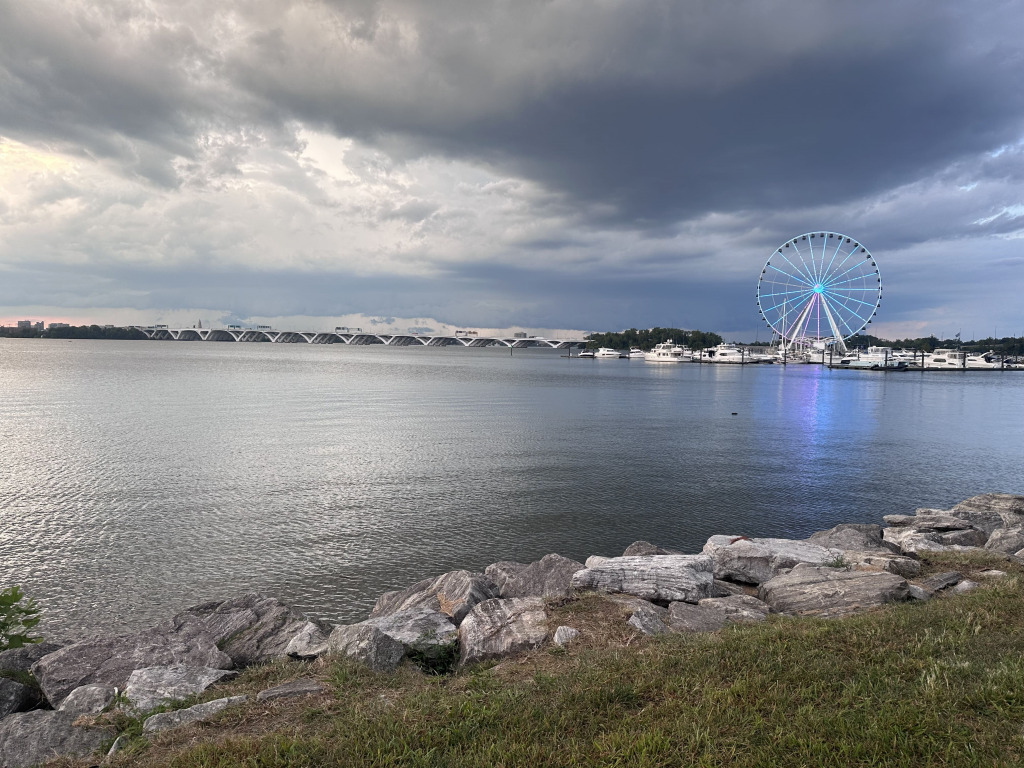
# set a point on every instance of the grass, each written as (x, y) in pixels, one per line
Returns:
(939, 683)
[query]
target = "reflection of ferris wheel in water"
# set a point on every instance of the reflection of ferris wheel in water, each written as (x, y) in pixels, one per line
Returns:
(819, 289)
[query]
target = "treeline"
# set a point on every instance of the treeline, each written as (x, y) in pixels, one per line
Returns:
(646, 339)
(74, 332)
(1007, 345)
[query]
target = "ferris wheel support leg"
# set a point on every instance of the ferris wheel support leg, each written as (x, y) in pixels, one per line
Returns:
(839, 343)
(800, 320)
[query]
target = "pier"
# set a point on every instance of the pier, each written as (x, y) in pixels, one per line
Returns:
(356, 337)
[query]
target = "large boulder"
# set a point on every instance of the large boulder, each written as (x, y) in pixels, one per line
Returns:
(14, 697)
(665, 578)
(419, 629)
(497, 628)
(31, 738)
(250, 629)
(88, 700)
(164, 721)
(453, 594)
(850, 536)
(1006, 540)
(367, 645)
(111, 660)
(309, 643)
(551, 576)
(644, 616)
(989, 511)
(882, 560)
(150, 687)
(22, 659)
(821, 591)
(712, 614)
(754, 561)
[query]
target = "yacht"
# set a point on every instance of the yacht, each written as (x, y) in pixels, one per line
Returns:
(945, 360)
(669, 352)
(728, 353)
(586, 354)
(608, 353)
(872, 359)
(635, 353)
(984, 361)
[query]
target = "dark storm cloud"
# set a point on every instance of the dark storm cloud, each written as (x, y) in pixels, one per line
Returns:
(626, 164)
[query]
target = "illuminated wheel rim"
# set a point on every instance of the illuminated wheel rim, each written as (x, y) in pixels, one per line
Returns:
(819, 287)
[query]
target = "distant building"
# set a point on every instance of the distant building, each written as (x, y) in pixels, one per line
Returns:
(59, 325)
(519, 335)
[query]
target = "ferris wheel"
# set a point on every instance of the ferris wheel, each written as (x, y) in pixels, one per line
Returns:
(819, 289)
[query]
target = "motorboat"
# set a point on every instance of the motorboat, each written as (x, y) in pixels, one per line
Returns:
(586, 354)
(872, 359)
(945, 360)
(635, 353)
(606, 353)
(984, 361)
(728, 353)
(669, 352)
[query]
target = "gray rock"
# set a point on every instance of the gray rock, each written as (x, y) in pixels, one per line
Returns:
(565, 635)
(367, 645)
(712, 614)
(164, 721)
(646, 617)
(754, 561)
(969, 537)
(309, 642)
(14, 697)
(111, 660)
(250, 629)
(497, 628)
(454, 594)
(817, 591)
(964, 586)
(418, 629)
(116, 747)
(848, 536)
(722, 588)
(989, 511)
(88, 700)
(666, 578)
(595, 560)
(22, 659)
(294, 688)
(929, 522)
(883, 560)
(918, 593)
(941, 581)
(551, 576)
(150, 687)
(1007, 540)
(30, 738)
(912, 540)
(992, 573)
(646, 548)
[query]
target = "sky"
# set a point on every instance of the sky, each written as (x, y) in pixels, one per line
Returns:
(560, 166)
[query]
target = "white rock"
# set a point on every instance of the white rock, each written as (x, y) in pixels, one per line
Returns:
(755, 561)
(152, 686)
(565, 635)
(652, 577)
(167, 720)
(497, 628)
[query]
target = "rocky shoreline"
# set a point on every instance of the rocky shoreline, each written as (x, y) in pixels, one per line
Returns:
(50, 696)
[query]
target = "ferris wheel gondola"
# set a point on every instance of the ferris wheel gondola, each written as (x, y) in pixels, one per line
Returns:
(819, 289)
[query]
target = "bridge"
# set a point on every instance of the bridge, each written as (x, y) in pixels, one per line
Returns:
(356, 337)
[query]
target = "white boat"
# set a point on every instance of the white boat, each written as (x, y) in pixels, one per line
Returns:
(945, 360)
(982, 361)
(669, 352)
(635, 353)
(872, 359)
(586, 354)
(727, 353)
(606, 353)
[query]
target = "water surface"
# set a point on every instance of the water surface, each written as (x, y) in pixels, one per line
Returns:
(137, 478)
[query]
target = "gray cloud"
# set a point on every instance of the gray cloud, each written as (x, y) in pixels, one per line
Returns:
(541, 164)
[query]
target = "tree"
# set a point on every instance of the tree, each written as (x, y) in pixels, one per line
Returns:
(18, 616)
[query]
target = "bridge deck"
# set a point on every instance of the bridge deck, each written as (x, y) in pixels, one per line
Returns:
(353, 337)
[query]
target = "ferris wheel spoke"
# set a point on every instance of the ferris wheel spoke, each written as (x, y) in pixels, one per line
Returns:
(842, 319)
(859, 301)
(802, 297)
(832, 261)
(846, 258)
(844, 274)
(803, 271)
(790, 275)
